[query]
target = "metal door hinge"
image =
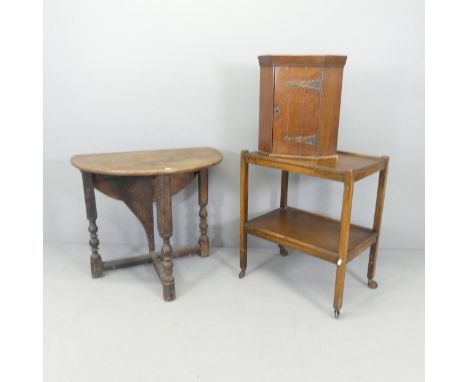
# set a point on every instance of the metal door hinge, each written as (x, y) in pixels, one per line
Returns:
(311, 84)
(309, 140)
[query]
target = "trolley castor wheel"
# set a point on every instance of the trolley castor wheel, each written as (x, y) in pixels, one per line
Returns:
(242, 274)
(283, 251)
(372, 284)
(337, 314)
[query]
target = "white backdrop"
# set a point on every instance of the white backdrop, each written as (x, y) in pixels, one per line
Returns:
(124, 75)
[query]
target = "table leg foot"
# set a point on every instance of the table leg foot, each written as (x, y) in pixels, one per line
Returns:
(372, 284)
(204, 248)
(169, 292)
(242, 274)
(337, 314)
(97, 268)
(283, 251)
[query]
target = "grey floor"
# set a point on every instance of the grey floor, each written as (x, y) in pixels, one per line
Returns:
(274, 325)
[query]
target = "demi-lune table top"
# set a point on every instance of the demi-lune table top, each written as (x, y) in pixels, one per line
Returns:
(147, 163)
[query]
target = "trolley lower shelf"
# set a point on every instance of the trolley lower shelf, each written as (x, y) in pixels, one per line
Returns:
(310, 233)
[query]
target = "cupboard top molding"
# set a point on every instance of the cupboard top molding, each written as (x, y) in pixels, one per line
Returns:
(323, 61)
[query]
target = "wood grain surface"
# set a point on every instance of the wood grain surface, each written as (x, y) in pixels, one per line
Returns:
(146, 163)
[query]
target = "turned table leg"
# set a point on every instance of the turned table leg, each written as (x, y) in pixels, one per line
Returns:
(284, 202)
(244, 210)
(91, 214)
(164, 217)
(343, 244)
(203, 241)
(377, 223)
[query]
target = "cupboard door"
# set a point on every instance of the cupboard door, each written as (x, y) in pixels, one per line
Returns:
(296, 110)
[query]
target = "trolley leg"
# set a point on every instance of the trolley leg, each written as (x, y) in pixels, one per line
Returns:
(343, 245)
(244, 208)
(284, 203)
(379, 203)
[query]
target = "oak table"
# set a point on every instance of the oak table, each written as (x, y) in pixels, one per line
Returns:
(336, 241)
(139, 179)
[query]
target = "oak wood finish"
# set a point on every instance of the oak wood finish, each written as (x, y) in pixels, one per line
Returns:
(148, 259)
(379, 204)
(147, 163)
(297, 110)
(308, 232)
(265, 132)
(244, 210)
(137, 193)
(345, 228)
(331, 168)
(336, 241)
(329, 118)
(300, 97)
(91, 214)
(139, 180)
(285, 60)
(164, 211)
(109, 184)
(284, 203)
(203, 241)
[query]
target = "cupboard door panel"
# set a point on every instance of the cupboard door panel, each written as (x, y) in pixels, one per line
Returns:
(296, 110)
